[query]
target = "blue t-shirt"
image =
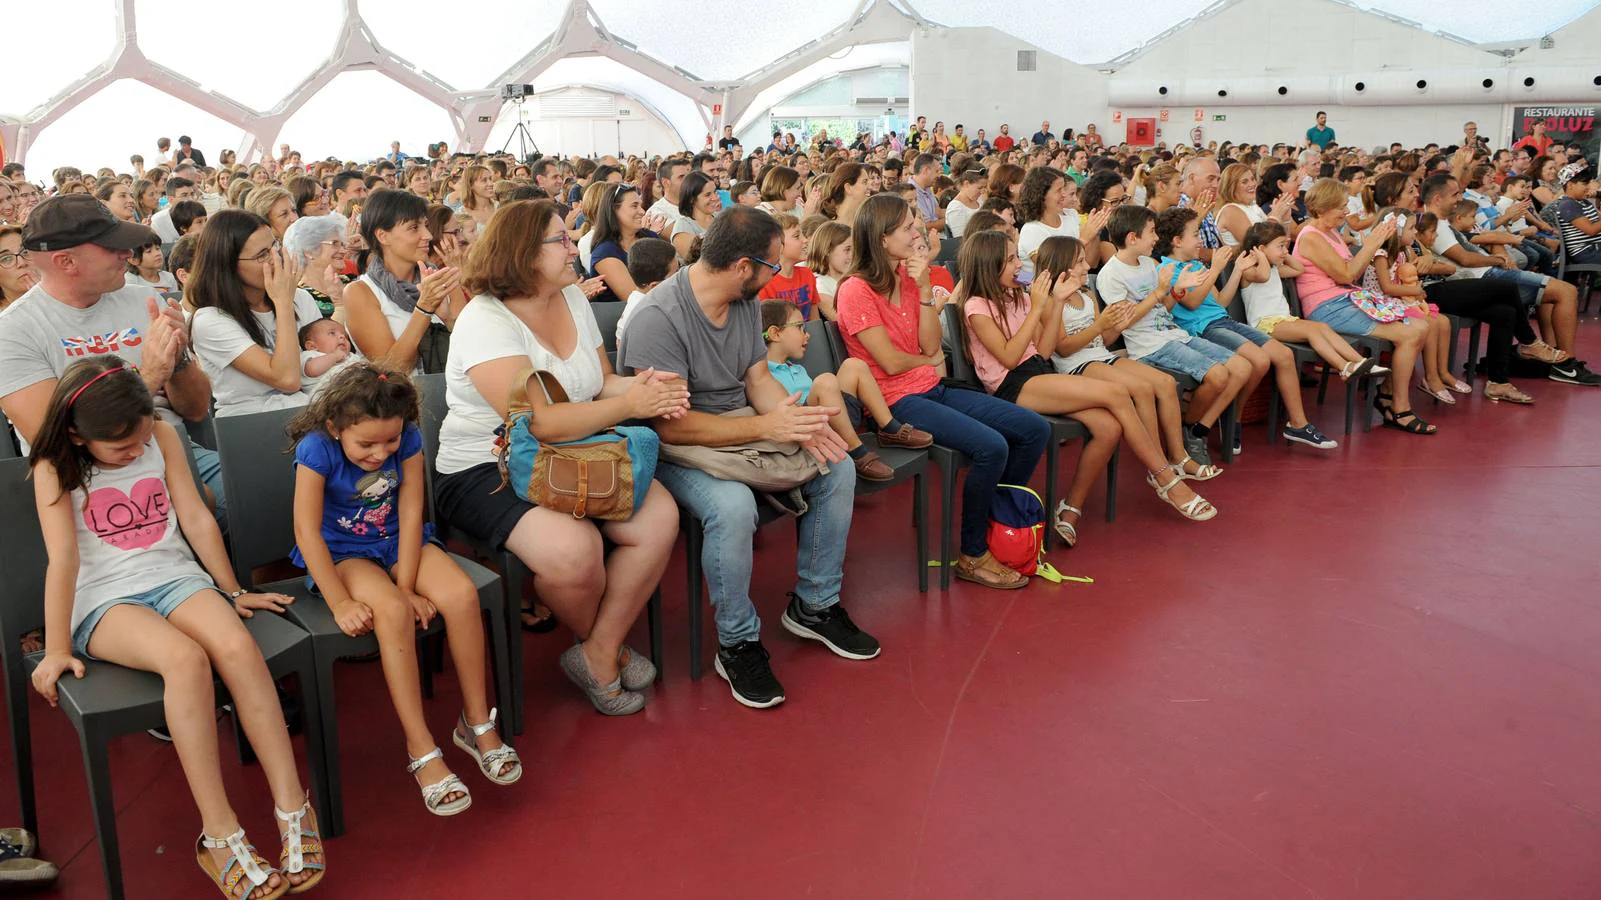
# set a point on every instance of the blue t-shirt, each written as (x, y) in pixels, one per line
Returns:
(611, 250)
(793, 377)
(1320, 135)
(1193, 320)
(360, 509)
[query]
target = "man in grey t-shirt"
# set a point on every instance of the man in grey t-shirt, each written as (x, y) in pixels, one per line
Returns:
(704, 323)
(82, 307)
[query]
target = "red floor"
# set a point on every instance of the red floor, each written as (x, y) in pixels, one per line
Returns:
(1373, 676)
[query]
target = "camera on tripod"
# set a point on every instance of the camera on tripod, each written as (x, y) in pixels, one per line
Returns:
(516, 91)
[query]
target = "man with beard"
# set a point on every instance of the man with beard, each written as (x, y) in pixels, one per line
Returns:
(704, 321)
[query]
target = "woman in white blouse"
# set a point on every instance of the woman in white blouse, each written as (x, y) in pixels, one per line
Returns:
(248, 313)
(391, 307)
(528, 311)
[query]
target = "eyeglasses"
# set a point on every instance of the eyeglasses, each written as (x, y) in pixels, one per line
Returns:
(774, 267)
(14, 260)
(565, 239)
(263, 255)
(790, 325)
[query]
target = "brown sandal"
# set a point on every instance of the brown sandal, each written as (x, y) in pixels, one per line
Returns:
(245, 871)
(987, 571)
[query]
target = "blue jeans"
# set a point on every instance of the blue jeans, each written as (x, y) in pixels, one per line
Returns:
(1541, 259)
(1002, 441)
(727, 512)
(210, 467)
(1530, 284)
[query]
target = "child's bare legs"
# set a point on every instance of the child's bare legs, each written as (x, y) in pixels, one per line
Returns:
(139, 638)
(1082, 398)
(211, 622)
(1437, 352)
(1331, 348)
(857, 380)
(1260, 363)
(826, 392)
(1288, 377)
(1098, 449)
(452, 593)
(395, 627)
(1139, 390)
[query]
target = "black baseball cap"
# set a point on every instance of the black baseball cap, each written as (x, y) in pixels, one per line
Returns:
(72, 220)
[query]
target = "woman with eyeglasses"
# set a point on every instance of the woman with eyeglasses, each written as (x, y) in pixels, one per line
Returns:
(391, 307)
(317, 244)
(17, 274)
(528, 311)
(619, 222)
(745, 193)
(249, 310)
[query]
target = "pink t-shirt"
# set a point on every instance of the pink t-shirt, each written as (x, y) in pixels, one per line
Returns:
(1314, 286)
(990, 370)
(861, 308)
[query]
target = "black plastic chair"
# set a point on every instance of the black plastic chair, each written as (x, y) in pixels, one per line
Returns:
(908, 464)
(9, 448)
(512, 570)
(1355, 394)
(1304, 354)
(111, 701)
(607, 315)
(258, 476)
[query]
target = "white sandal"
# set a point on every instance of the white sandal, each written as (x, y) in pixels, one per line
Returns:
(1204, 473)
(1065, 530)
(1196, 509)
(433, 795)
(489, 761)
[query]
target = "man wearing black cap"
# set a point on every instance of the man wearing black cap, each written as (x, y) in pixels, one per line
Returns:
(83, 307)
(188, 153)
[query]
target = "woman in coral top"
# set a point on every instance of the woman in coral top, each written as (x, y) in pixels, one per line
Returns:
(890, 321)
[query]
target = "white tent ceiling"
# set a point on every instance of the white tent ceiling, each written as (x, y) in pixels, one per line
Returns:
(270, 70)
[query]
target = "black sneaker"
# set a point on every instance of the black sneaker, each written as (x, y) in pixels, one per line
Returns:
(1574, 372)
(832, 626)
(744, 666)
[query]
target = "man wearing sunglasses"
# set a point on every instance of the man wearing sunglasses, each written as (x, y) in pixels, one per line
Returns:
(705, 321)
(83, 307)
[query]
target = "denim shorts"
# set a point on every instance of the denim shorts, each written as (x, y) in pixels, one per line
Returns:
(163, 599)
(1194, 357)
(1232, 335)
(1342, 315)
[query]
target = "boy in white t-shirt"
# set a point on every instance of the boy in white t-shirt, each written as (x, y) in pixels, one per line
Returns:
(1153, 337)
(650, 262)
(325, 349)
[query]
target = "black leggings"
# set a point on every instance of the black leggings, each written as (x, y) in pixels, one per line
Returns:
(1496, 304)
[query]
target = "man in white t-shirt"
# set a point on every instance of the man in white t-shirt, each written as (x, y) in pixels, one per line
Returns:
(670, 174)
(178, 188)
(83, 307)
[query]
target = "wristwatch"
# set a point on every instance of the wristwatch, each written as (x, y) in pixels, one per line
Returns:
(235, 595)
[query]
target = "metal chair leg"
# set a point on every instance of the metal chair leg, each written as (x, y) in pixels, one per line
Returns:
(22, 746)
(1111, 484)
(947, 504)
(653, 616)
(97, 771)
(1053, 461)
(694, 540)
(920, 525)
(1272, 409)
(512, 572)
